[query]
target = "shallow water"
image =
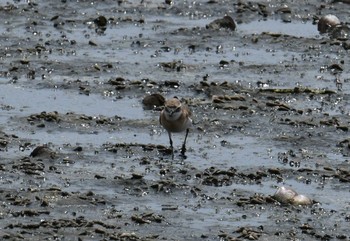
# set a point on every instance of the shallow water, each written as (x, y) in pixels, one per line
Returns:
(294, 28)
(26, 101)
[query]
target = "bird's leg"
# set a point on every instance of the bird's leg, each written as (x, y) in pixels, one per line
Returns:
(171, 144)
(183, 149)
(170, 140)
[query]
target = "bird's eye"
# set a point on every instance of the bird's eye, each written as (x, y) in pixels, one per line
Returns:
(177, 109)
(167, 109)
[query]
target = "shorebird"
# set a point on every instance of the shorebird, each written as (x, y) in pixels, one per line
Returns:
(176, 117)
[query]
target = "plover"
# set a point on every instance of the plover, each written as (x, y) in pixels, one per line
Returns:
(176, 117)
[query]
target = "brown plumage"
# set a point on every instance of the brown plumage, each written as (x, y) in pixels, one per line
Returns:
(176, 117)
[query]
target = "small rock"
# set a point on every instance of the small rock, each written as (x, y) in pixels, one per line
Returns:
(225, 22)
(340, 32)
(78, 149)
(169, 2)
(346, 45)
(42, 152)
(101, 21)
(136, 176)
(153, 100)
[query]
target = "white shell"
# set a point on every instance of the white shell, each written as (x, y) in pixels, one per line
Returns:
(284, 195)
(327, 22)
(301, 200)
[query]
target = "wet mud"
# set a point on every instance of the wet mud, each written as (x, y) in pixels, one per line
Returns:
(83, 156)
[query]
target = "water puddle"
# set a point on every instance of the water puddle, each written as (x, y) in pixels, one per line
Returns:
(30, 101)
(294, 28)
(22, 102)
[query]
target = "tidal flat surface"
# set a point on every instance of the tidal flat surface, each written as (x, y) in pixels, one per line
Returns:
(83, 159)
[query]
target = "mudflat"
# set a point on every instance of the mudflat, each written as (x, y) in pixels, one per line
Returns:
(83, 158)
